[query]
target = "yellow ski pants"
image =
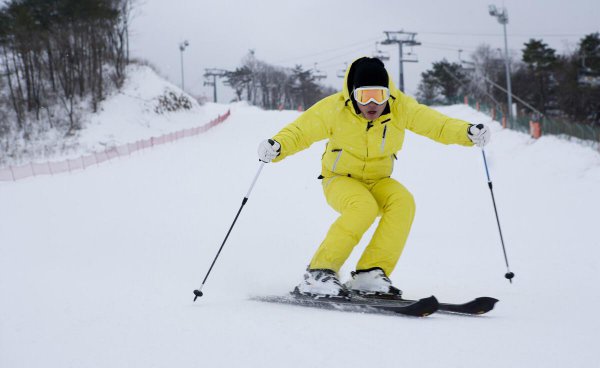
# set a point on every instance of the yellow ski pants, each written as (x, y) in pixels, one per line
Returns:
(359, 204)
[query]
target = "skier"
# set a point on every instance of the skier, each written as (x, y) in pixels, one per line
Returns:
(365, 125)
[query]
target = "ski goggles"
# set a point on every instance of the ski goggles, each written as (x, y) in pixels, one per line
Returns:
(366, 95)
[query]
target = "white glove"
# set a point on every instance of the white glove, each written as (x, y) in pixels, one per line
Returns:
(479, 134)
(268, 150)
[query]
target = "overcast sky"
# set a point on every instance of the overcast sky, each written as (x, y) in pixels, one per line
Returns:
(332, 32)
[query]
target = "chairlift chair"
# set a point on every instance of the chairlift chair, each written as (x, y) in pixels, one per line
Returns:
(380, 54)
(341, 73)
(587, 77)
(317, 74)
(410, 57)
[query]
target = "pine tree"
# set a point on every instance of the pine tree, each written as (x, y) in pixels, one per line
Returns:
(540, 61)
(444, 81)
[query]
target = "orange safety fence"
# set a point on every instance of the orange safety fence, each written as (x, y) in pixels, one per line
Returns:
(14, 173)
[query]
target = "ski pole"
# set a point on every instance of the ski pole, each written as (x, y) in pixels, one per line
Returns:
(509, 275)
(198, 292)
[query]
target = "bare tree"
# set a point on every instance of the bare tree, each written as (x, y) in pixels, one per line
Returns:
(59, 52)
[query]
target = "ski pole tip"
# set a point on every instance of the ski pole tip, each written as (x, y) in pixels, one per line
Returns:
(197, 294)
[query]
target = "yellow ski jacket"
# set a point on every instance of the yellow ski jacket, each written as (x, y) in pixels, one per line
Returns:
(363, 149)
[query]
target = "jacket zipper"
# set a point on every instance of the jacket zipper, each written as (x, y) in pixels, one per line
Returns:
(339, 151)
(369, 126)
(383, 140)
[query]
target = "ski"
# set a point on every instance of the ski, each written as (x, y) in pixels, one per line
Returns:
(417, 308)
(476, 306)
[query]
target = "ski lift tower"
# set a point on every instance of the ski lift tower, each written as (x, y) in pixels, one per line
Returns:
(401, 38)
(214, 73)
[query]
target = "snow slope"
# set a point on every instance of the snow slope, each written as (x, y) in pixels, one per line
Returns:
(97, 267)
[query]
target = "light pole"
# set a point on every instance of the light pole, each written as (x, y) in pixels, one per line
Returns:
(182, 47)
(502, 16)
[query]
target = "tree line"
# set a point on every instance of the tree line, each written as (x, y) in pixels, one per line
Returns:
(274, 87)
(558, 86)
(55, 54)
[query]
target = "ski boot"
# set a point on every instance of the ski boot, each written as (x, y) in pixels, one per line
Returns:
(371, 282)
(321, 283)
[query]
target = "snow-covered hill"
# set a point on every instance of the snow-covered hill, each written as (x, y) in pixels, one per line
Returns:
(97, 267)
(127, 115)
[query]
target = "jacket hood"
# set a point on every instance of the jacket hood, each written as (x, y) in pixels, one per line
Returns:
(347, 88)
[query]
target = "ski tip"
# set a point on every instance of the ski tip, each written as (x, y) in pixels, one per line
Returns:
(485, 304)
(424, 307)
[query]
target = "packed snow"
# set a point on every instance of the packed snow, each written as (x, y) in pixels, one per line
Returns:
(97, 267)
